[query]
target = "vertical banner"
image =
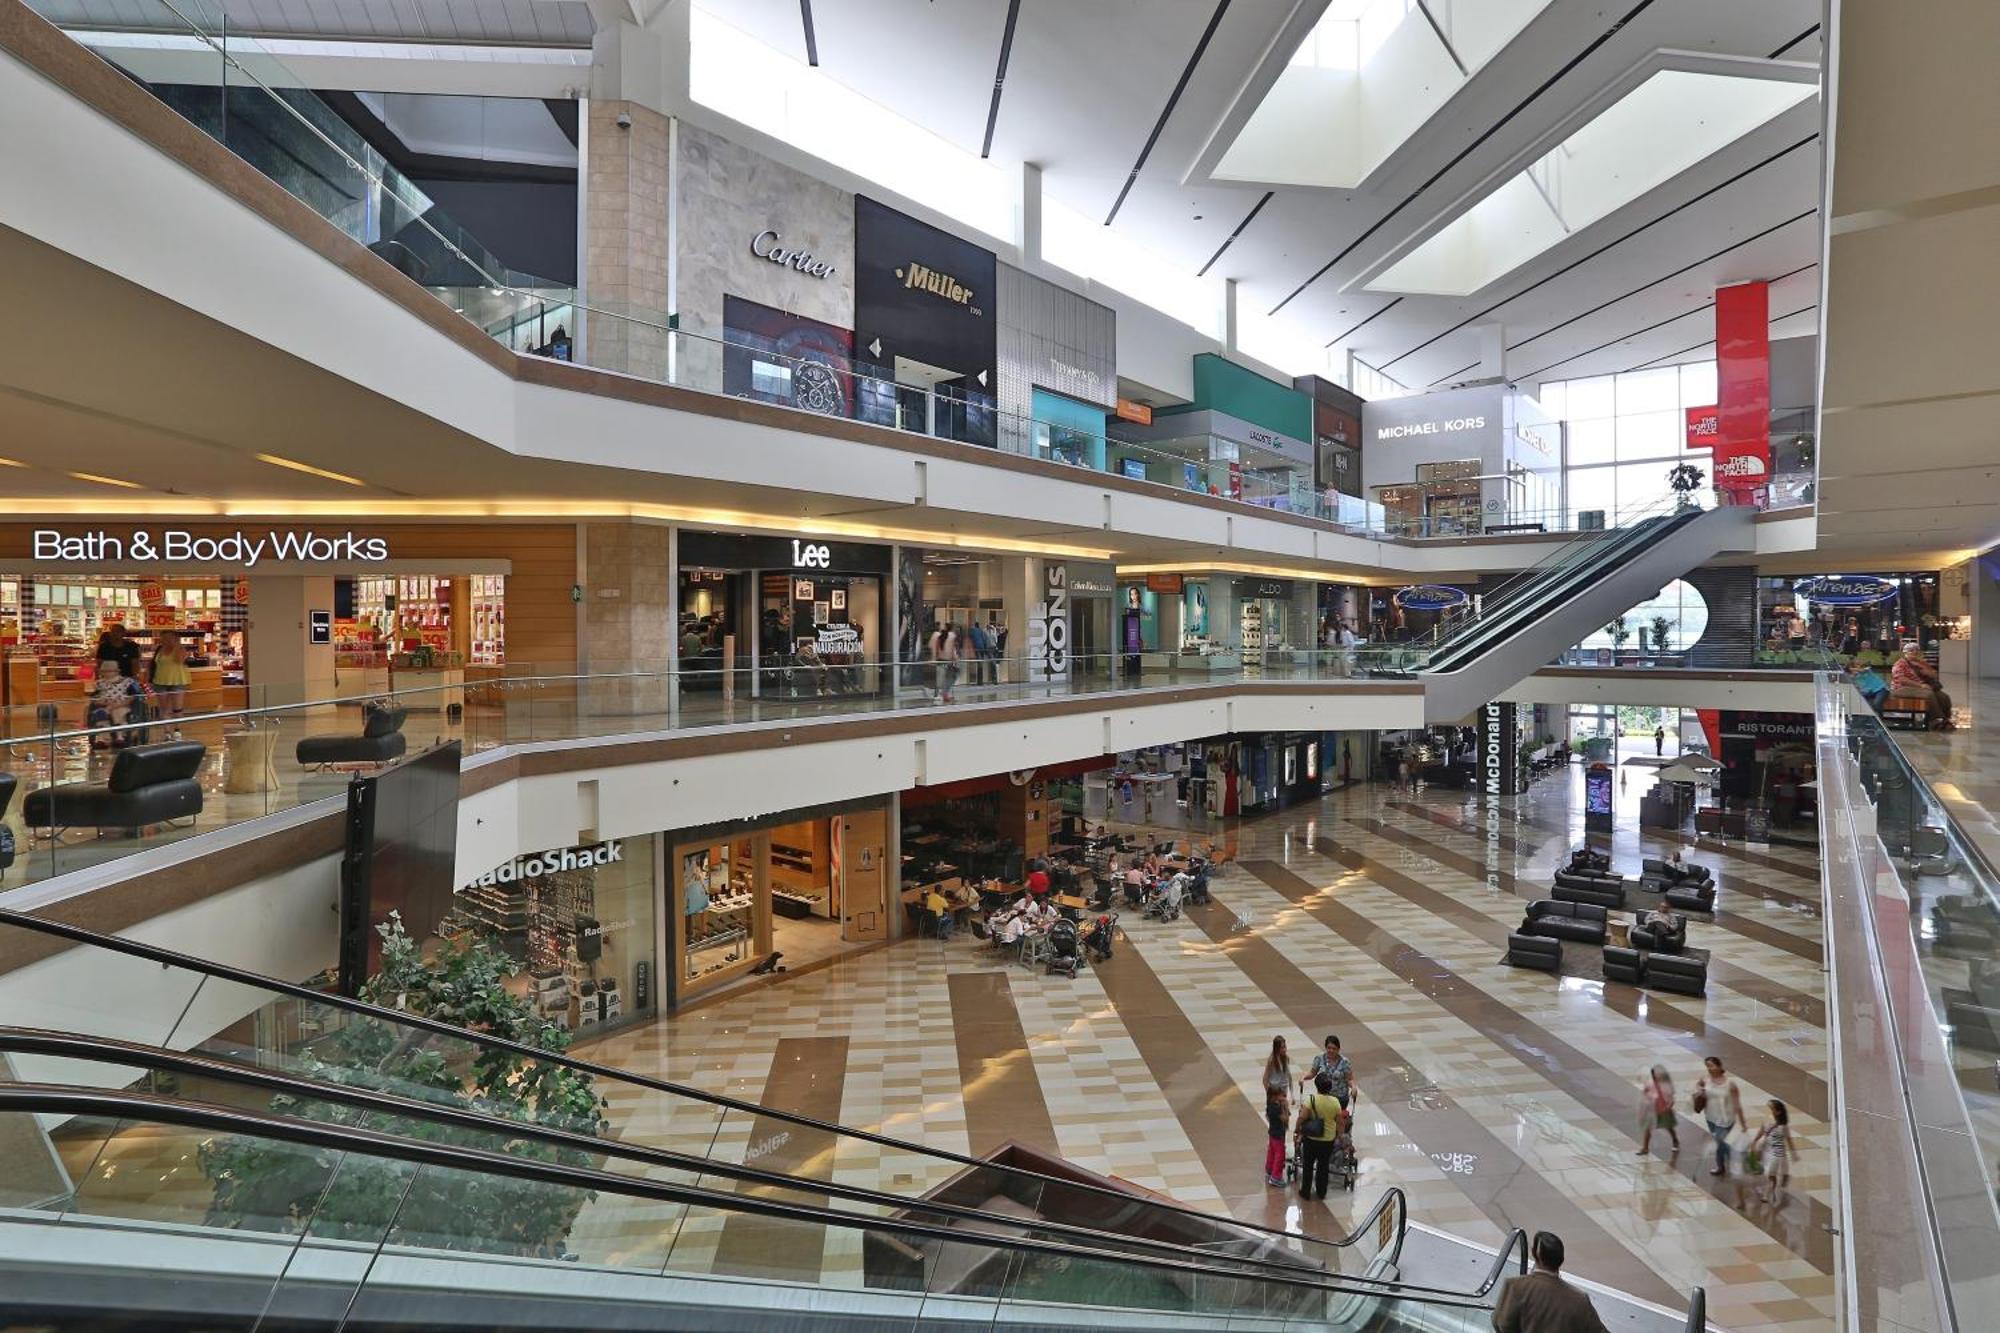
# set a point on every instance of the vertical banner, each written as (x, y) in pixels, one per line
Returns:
(1742, 449)
(1499, 759)
(1048, 626)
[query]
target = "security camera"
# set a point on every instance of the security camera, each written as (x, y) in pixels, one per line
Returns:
(624, 120)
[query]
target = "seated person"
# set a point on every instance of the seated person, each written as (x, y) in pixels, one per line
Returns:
(1038, 880)
(940, 910)
(1010, 924)
(1913, 675)
(115, 700)
(1869, 656)
(1662, 918)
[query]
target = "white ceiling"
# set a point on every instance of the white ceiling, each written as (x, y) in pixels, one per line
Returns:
(527, 22)
(1086, 84)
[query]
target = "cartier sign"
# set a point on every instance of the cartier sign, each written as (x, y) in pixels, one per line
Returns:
(767, 244)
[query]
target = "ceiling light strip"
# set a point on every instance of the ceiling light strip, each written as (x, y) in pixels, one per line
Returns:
(1794, 42)
(1202, 272)
(1364, 323)
(1214, 22)
(106, 481)
(812, 40)
(1470, 148)
(1000, 77)
(1706, 259)
(1578, 263)
(276, 461)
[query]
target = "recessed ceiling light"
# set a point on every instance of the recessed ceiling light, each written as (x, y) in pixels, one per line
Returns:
(11, 462)
(276, 461)
(107, 481)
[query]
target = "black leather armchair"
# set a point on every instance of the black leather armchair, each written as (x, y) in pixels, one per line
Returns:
(1654, 939)
(1692, 898)
(380, 741)
(1582, 922)
(149, 784)
(1689, 976)
(1626, 965)
(1544, 955)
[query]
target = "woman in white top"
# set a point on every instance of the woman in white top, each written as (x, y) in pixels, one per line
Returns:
(1720, 1103)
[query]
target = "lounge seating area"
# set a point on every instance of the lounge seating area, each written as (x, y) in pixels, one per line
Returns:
(1585, 923)
(1534, 951)
(1650, 955)
(380, 740)
(148, 784)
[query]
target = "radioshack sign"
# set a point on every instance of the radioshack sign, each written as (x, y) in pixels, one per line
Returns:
(548, 863)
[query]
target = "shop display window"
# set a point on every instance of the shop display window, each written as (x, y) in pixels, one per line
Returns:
(580, 922)
(50, 625)
(721, 929)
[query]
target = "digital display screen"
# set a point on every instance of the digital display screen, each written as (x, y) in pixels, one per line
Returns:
(1597, 792)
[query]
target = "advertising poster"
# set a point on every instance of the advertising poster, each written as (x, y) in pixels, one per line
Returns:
(810, 366)
(1194, 610)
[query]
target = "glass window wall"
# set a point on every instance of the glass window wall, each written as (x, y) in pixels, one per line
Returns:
(1622, 433)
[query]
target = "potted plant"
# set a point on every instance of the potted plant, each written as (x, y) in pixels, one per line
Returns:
(1685, 479)
(1620, 632)
(1661, 625)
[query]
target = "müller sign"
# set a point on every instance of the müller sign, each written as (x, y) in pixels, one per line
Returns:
(236, 548)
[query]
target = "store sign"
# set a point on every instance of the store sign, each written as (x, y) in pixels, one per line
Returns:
(548, 863)
(1431, 597)
(765, 245)
(1851, 590)
(923, 293)
(1127, 410)
(1769, 726)
(811, 555)
(838, 640)
(715, 550)
(319, 627)
(1133, 468)
(1092, 579)
(918, 277)
(1445, 426)
(1279, 589)
(1704, 427)
(244, 549)
(1499, 763)
(1048, 626)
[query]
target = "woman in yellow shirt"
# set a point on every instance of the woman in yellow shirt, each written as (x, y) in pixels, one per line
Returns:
(169, 675)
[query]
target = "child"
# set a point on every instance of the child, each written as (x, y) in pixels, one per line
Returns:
(1775, 1139)
(1275, 1118)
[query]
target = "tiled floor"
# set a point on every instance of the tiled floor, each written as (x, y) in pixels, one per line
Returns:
(1496, 1097)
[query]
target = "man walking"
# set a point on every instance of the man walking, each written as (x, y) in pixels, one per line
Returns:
(1541, 1302)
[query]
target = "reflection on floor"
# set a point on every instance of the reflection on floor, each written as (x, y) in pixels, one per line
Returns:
(1496, 1097)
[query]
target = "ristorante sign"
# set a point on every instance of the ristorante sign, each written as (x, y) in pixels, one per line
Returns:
(242, 549)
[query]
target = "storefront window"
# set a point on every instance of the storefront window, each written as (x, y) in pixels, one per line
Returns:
(718, 893)
(1623, 432)
(579, 921)
(1864, 619)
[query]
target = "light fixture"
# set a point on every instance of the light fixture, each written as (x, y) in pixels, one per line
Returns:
(276, 461)
(107, 481)
(11, 462)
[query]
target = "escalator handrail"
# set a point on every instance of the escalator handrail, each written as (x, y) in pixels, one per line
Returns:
(1697, 1320)
(108, 1104)
(153, 953)
(1452, 654)
(109, 1050)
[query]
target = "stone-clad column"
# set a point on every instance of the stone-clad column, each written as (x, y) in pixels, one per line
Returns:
(626, 208)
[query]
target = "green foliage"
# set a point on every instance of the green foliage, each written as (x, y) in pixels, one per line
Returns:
(1685, 478)
(263, 1185)
(1619, 632)
(1661, 628)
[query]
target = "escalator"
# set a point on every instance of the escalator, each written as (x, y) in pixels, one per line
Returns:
(1527, 621)
(205, 1181)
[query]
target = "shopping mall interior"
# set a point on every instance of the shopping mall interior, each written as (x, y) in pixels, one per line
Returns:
(886, 665)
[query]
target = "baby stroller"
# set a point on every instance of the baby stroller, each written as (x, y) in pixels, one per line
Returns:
(1097, 936)
(1197, 891)
(1064, 953)
(1344, 1165)
(1165, 903)
(132, 732)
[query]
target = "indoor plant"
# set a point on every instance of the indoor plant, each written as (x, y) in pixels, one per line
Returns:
(262, 1184)
(1685, 479)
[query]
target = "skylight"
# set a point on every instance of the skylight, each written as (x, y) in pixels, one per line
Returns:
(1665, 125)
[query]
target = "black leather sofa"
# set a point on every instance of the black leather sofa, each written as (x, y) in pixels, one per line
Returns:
(1689, 976)
(1538, 952)
(1606, 893)
(1652, 939)
(149, 784)
(380, 741)
(1692, 898)
(1974, 1014)
(1655, 871)
(1624, 965)
(1965, 922)
(1587, 859)
(1582, 922)
(9, 784)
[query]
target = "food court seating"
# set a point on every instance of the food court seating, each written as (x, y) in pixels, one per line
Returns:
(149, 784)
(1535, 951)
(381, 740)
(1583, 922)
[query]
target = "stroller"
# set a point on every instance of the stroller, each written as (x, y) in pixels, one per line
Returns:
(1065, 953)
(1165, 902)
(1197, 891)
(1097, 936)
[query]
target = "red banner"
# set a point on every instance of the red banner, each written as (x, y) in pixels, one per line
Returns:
(1704, 427)
(1742, 442)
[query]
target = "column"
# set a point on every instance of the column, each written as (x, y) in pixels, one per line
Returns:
(626, 209)
(283, 666)
(628, 615)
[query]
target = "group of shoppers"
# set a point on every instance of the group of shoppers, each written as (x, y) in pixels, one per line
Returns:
(1323, 1116)
(1718, 1100)
(127, 690)
(973, 650)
